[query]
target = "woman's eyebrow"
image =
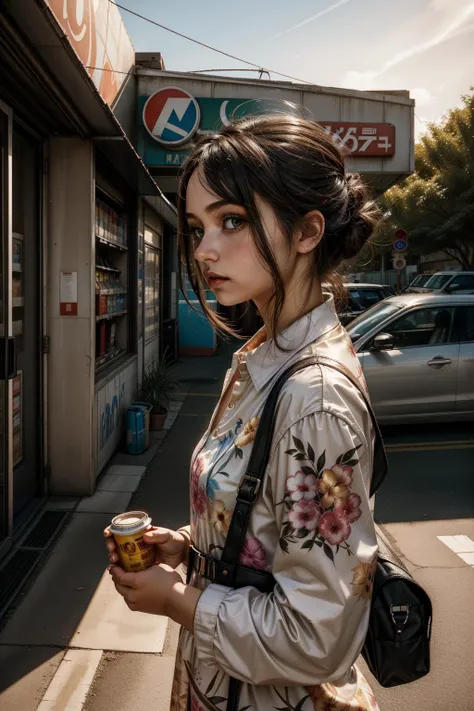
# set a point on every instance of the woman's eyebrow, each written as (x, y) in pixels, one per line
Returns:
(213, 206)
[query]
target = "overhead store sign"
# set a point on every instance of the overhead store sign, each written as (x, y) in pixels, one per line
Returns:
(95, 30)
(363, 139)
(170, 118)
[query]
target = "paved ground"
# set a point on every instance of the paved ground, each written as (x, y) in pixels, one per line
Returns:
(429, 494)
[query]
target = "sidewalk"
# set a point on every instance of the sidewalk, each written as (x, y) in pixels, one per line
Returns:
(70, 642)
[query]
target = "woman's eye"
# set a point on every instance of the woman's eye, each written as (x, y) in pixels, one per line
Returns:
(233, 222)
(197, 233)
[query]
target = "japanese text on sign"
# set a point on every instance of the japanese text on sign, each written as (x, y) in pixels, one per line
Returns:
(363, 139)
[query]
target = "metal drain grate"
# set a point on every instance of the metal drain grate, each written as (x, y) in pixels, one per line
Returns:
(44, 530)
(14, 574)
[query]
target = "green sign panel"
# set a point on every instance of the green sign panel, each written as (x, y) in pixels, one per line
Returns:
(170, 119)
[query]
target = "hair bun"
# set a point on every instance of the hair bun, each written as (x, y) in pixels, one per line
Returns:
(360, 219)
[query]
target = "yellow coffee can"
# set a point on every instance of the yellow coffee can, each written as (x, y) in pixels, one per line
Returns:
(128, 528)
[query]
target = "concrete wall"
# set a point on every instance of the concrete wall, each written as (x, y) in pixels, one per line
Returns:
(71, 214)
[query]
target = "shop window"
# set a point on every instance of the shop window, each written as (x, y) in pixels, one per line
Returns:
(111, 286)
(152, 283)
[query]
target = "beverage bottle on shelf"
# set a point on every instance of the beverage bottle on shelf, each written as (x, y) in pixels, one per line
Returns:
(106, 222)
(124, 231)
(101, 218)
(112, 225)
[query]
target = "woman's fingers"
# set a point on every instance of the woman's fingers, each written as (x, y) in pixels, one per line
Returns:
(157, 536)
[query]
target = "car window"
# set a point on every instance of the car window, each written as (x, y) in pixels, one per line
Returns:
(369, 297)
(464, 281)
(369, 320)
(437, 281)
(420, 280)
(423, 327)
(352, 303)
(464, 324)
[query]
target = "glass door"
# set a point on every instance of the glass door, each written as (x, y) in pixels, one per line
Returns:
(7, 354)
(26, 321)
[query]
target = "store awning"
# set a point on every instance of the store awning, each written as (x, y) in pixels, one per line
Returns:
(39, 62)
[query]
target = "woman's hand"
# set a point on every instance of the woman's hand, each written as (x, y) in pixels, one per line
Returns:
(171, 546)
(158, 590)
(148, 590)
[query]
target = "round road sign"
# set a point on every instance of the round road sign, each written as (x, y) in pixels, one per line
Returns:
(400, 234)
(400, 245)
(399, 262)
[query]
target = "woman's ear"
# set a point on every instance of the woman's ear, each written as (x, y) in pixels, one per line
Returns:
(311, 232)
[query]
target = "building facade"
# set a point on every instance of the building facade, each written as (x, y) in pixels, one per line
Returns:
(88, 253)
(174, 108)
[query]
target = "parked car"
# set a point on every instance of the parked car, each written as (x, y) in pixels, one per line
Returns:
(361, 297)
(448, 282)
(418, 281)
(417, 355)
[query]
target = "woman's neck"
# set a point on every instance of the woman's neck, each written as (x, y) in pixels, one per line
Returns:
(297, 303)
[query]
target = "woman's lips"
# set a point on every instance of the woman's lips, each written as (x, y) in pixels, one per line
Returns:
(215, 282)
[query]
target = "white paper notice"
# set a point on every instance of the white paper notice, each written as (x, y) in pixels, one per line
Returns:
(68, 288)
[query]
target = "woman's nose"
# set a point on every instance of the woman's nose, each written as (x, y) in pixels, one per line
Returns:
(207, 249)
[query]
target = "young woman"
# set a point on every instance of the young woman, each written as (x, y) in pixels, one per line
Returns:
(267, 212)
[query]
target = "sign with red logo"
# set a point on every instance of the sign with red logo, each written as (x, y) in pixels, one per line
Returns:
(171, 116)
(362, 139)
(68, 294)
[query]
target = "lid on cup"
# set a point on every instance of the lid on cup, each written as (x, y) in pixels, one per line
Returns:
(130, 522)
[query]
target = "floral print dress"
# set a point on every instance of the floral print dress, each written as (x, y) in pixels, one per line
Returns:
(294, 649)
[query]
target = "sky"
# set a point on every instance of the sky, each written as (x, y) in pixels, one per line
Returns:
(425, 46)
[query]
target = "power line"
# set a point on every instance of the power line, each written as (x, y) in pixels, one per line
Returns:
(232, 69)
(207, 46)
(108, 69)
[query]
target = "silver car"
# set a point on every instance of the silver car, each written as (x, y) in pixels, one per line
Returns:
(417, 354)
(449, 282)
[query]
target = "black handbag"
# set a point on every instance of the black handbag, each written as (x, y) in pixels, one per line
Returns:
(397, 647)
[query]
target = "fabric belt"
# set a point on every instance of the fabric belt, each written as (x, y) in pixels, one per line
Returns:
(233, 576)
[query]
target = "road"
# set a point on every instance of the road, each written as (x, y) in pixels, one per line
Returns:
(429, 493)
(428, 499)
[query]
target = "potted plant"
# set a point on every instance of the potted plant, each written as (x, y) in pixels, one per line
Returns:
(158, 389)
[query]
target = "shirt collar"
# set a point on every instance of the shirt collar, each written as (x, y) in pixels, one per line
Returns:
(264, 360)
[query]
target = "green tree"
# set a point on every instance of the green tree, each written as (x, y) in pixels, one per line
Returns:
(435, 205)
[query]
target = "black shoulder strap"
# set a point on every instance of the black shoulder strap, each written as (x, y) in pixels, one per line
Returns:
(253, 478)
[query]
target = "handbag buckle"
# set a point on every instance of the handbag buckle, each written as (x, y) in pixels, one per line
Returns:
(400, 615)
(255, 482)
(205, 567)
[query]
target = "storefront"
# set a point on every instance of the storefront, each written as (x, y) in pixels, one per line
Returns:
(175, 108)
(85, 234)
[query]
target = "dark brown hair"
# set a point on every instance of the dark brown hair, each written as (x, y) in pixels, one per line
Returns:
(295, 167)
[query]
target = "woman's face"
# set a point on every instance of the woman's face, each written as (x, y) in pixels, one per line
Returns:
(225, 249)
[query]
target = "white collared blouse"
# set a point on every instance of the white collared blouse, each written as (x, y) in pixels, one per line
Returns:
(311, 527)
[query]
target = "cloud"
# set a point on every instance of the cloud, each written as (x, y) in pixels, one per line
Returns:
(421, 126)
(332, 7)
(422, 96)
(456, 27)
